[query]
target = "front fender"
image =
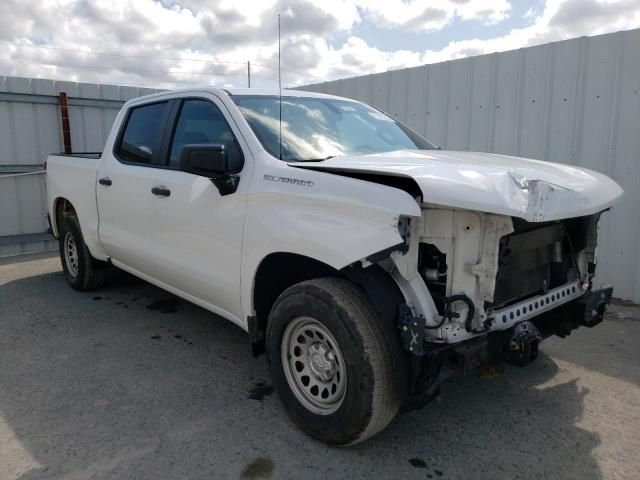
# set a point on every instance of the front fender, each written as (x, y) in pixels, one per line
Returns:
(333, 219)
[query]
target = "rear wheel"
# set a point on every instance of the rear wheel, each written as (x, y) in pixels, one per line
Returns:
(330, 361)
(81, 270)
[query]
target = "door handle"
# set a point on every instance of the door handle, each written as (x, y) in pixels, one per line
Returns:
(161, 191)
(106, 181)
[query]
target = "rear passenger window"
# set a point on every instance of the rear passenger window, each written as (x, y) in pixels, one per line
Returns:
(141, 134)
(202, 122)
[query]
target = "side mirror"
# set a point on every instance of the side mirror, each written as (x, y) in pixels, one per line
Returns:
(206, 160)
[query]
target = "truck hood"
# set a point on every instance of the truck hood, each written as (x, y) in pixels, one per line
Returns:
(533, 190)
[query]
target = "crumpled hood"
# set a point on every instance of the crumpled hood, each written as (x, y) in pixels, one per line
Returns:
(530, 189)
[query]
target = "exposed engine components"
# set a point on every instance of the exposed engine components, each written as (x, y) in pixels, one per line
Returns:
(433, 264)
(448, 313)
(461, 268)
(434, 275)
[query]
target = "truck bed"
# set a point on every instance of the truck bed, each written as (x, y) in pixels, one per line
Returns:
(72, 177)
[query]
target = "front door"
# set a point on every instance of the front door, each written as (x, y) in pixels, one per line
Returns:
(195, 233)
(175, 227)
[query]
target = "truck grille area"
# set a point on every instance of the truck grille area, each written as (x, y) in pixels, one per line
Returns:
(530, 261)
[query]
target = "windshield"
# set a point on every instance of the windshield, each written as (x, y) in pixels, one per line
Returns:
(320, 128)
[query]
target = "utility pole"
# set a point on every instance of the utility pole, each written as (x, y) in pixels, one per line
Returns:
(249, 73)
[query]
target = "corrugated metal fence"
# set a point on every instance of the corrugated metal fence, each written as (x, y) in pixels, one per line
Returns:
(576, 102)
(30, 128)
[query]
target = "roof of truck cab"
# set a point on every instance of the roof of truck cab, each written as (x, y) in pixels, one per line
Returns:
(240, 91)
(270, 92)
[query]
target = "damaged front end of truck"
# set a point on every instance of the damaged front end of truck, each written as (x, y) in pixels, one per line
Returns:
(502, 255)
(490, 283)
(482, 287)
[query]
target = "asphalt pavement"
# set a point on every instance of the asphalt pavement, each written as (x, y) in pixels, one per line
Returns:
(129, 382)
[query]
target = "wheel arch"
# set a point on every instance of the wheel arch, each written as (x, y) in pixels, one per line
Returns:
(275, 273)
(61, 206)
(280, 270)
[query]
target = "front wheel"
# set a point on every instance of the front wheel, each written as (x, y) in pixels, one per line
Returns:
(330, 361)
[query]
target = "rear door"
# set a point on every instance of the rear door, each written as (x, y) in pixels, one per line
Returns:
(126, 176)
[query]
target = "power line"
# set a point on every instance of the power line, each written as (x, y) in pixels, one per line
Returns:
(121, 55)
(68, 50)
(93, 67)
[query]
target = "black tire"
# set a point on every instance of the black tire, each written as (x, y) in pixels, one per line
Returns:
(86, 273)
(371, 398)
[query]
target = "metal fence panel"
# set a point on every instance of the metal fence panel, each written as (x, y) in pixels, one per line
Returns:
(575, 102)
(23, 214)
(30, 129)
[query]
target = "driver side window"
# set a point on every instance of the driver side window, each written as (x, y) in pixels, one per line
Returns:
(201, 122)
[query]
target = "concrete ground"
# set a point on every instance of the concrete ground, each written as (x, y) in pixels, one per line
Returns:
(129, 382)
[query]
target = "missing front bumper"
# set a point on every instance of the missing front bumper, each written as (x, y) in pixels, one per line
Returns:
(432, 363)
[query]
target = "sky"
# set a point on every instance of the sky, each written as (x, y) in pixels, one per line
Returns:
(172, 43)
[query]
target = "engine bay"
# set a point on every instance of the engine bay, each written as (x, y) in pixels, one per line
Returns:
(486, 272)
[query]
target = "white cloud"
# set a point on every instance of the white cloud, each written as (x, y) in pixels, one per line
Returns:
(560, 20)
(433, 14)
(172, 42)
(356, 57)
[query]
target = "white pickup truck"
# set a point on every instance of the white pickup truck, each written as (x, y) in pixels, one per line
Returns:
(367, 263)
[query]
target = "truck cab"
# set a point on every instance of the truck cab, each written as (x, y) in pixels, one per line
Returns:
(365, 262)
